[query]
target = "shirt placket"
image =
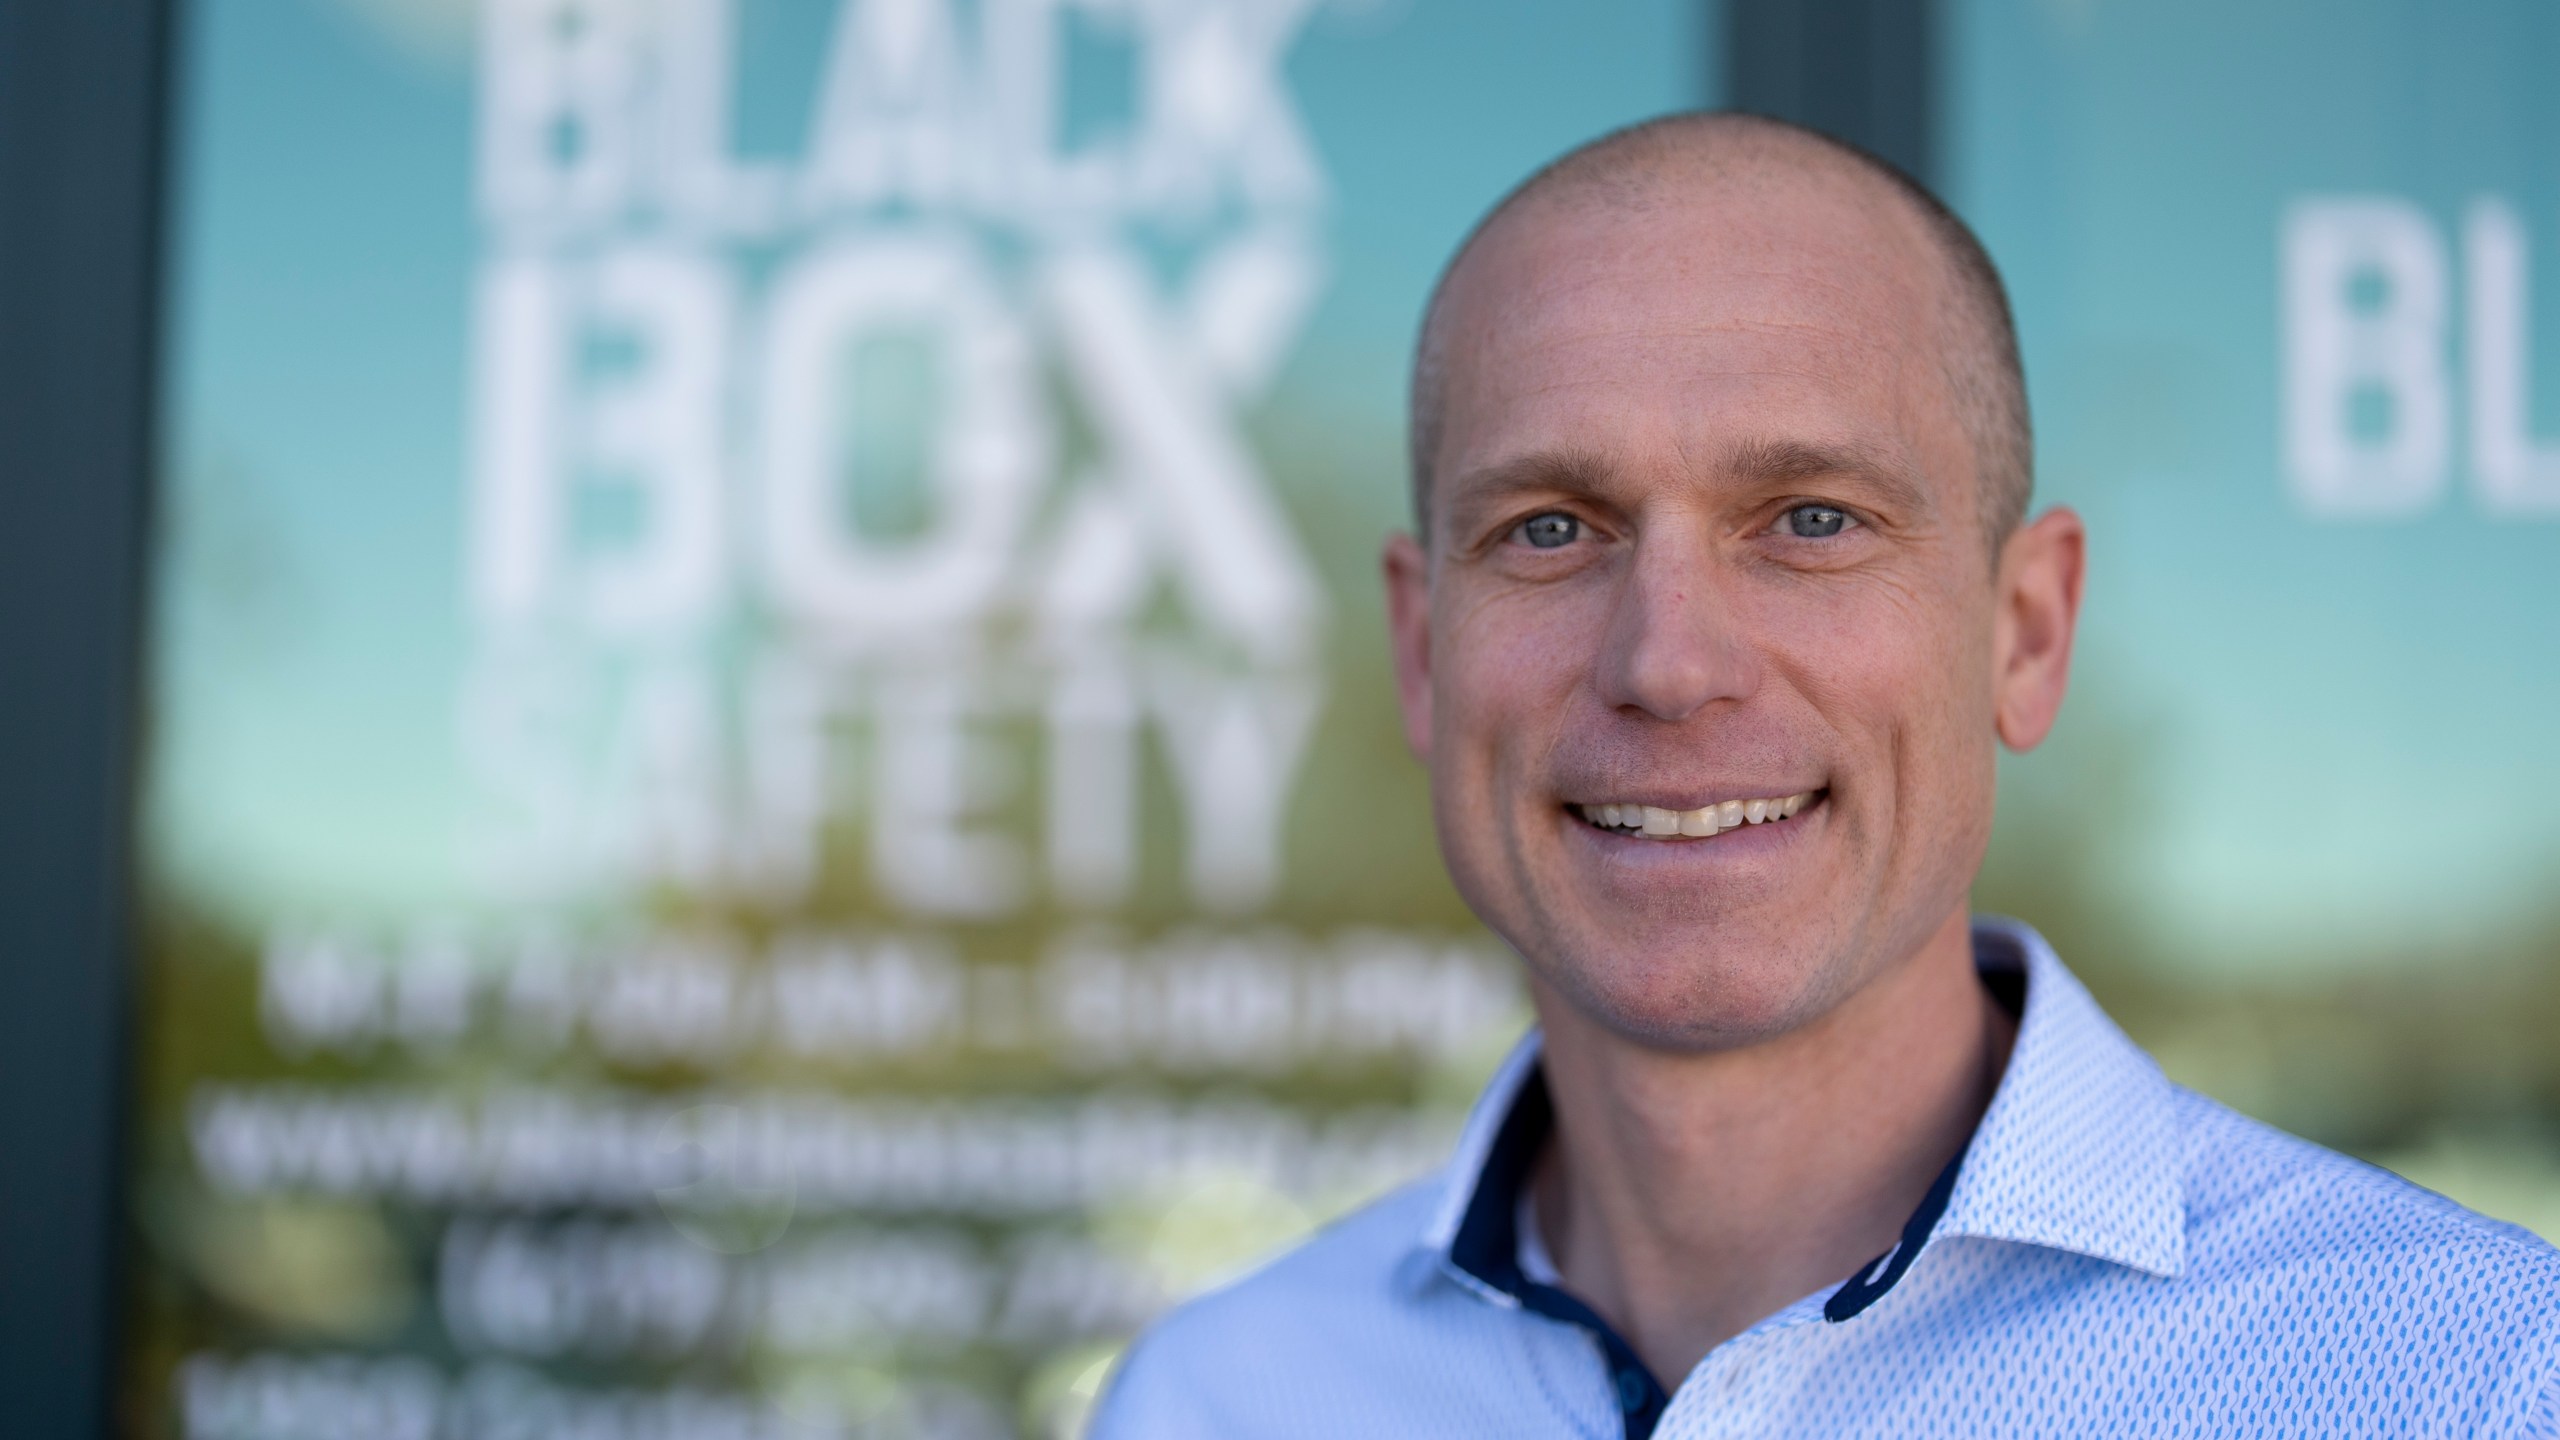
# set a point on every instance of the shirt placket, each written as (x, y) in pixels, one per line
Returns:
(1735, 1390)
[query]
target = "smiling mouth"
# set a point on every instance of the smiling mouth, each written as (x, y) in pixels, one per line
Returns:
(1652, 822)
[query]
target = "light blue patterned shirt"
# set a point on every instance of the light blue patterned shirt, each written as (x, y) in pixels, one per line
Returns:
(2113, 1255)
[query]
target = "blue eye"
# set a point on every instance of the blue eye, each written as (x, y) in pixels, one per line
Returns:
(1546, 532)
(1814, 522)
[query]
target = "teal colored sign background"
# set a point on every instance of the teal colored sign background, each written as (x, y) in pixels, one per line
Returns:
(2330, 734)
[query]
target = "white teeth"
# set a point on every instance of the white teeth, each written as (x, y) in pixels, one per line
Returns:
(1706, 820)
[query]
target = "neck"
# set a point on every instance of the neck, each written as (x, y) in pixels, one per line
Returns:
(1687, 1195)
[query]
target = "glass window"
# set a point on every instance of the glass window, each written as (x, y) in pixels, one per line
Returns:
(773, 793)
(2274, 265)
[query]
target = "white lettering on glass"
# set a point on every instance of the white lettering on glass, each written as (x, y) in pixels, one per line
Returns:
(2367, 413)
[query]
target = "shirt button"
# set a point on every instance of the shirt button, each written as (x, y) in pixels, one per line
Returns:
(1630, 1391)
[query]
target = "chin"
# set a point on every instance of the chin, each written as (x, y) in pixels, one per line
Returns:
(1693, 996)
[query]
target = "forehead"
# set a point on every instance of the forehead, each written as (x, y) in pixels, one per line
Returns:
(1719, 320)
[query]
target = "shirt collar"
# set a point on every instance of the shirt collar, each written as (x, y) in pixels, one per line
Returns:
(1466, 1170)
(2079, 1151)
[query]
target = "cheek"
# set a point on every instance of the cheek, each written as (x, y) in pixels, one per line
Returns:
(1901, 676)
(1506, 666)
(1943, 755)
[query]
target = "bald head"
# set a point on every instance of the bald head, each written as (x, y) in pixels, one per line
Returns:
(1719, 160)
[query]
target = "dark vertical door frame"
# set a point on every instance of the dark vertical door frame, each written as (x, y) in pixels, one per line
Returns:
(82, 103)
(1865, 71)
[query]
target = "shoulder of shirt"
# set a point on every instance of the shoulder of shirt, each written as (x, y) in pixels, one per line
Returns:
(2279, 1218)
(1363, 1260)
(1348, 1280)
(2260, 1201)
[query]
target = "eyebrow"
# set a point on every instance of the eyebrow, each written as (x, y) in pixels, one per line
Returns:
(1580, 473)
(1776, 464)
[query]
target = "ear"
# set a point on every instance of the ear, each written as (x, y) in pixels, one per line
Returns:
(1408, 572)
(2039, 612)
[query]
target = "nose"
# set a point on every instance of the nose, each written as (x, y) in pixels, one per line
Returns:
(1673, 647)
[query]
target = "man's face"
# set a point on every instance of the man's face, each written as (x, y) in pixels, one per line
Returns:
(1704, 529)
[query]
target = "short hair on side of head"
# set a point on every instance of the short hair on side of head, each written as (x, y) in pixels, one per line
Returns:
(1983, 368)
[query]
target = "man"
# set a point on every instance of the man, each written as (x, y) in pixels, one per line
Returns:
(1721, 598)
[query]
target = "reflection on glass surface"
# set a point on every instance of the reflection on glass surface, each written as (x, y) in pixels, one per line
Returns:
(2274, 269)
(774, 806)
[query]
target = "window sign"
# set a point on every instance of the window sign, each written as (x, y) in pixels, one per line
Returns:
(773, 804)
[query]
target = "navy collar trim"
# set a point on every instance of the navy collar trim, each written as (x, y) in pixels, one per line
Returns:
(2082, 1150)
(1486, 1245)
(1487, 1250)
(1881, 1274)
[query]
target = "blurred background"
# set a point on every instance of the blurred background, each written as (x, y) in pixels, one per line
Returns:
(696, 736)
